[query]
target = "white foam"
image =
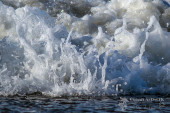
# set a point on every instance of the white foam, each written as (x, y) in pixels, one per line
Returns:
(120, 47)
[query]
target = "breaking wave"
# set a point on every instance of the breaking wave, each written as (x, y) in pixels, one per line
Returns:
(84, 47)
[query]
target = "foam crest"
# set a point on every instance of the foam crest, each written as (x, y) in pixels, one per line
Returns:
(118, 47)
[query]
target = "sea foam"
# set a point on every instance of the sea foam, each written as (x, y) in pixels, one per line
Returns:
(114, 47)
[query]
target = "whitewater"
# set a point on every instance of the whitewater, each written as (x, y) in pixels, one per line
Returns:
(84, 47)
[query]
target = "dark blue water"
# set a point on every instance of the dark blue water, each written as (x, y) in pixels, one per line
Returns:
(41, 104)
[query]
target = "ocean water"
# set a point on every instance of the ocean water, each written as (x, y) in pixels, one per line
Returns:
(74, 48)
(126, 104)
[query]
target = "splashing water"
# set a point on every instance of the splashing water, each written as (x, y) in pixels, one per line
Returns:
(112, 47)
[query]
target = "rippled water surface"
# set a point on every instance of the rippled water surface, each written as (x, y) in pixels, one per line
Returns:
(41, 104)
